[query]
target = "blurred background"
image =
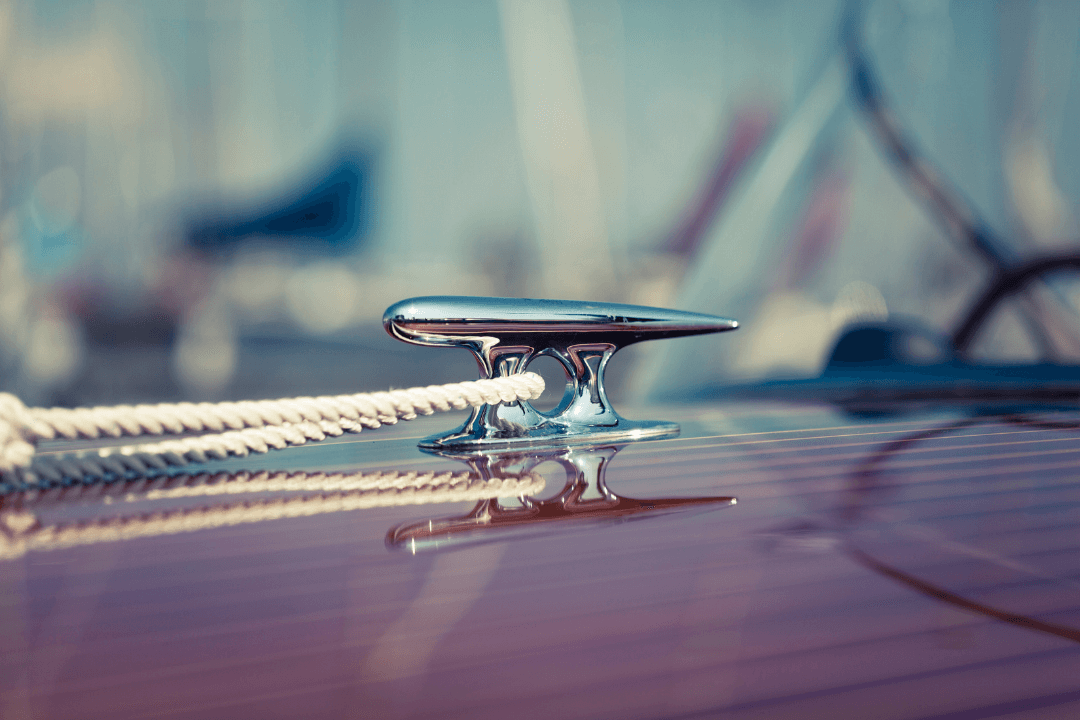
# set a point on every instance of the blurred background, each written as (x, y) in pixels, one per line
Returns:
(214, 199)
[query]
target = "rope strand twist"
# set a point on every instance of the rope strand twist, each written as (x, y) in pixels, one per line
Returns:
(233, 429)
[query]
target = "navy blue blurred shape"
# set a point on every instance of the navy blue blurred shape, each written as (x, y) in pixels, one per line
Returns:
(867, 346)
(329, 209)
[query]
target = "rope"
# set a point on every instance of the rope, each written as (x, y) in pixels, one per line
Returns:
(21, 531)
(235, 429)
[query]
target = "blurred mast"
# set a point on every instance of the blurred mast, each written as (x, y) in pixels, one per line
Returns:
(562, 176)
(720, 272)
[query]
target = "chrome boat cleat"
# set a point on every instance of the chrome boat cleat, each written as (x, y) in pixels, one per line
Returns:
(506, 334)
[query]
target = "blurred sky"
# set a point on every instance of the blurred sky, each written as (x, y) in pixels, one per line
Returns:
(513, 148)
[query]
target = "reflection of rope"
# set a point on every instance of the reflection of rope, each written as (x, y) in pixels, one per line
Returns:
(20, 530)
(238, 428)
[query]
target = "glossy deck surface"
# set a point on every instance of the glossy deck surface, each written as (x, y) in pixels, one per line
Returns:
(908, 567)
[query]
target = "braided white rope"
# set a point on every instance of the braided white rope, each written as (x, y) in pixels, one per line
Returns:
(238, 428)
(171, 487)
(140, 459)
(332, 493)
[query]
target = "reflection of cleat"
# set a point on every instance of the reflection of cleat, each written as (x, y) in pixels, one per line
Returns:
(506, 334)
(585, 496)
